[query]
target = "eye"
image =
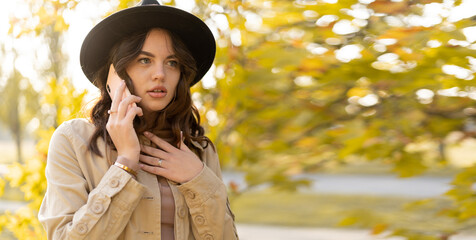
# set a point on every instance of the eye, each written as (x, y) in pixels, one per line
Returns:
(144, 60)
(172, 63)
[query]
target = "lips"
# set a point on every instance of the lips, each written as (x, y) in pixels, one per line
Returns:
(157, 92)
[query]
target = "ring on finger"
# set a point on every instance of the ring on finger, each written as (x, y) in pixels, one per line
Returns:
(159, 164)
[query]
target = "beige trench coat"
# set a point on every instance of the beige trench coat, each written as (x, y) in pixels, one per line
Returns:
(86, 198)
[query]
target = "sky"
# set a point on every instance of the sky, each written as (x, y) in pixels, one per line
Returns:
(89, 12)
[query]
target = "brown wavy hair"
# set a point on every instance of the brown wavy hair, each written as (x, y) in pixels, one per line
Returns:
(180, 115)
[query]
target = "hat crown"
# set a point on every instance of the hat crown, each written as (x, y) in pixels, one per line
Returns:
(149, 2)
(147, 14)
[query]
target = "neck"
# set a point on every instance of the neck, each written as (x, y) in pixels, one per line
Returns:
(150, 119)
(157, 125)
(153, 122)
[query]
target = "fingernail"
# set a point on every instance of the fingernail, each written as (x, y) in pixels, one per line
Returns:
(141, 165)
(147, 133)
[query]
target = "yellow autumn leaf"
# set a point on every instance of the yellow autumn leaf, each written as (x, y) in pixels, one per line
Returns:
(124, 4)
(308, 142)
(45, 17)
(358, 92)
(2, 187)
(60, 24)
(379, 228)
(399, 33)
(348, 221)
(389, 7)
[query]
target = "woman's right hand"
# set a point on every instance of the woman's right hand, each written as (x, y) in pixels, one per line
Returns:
(120, 126)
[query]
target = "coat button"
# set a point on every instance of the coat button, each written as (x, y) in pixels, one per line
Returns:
(98, 208)
(208, 237)
(191, 194)
(114, 183)
(82, 228)
(182, 212)
(199, 220)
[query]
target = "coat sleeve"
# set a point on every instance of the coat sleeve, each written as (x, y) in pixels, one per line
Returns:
(206, 198)
(72, 211)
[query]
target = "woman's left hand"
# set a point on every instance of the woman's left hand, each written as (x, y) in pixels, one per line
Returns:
(177, 164)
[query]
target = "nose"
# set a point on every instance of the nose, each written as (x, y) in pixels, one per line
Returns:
(158, 72)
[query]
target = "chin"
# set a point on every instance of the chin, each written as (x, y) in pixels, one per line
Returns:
(150, 110)
(156, 108)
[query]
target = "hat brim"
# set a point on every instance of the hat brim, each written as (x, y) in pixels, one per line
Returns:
(193, 32)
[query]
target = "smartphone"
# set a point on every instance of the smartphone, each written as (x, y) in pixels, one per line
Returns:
(113, 83)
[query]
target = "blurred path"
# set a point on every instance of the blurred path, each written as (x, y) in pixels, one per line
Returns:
(258, 232)
(387, 185)
(419, 187)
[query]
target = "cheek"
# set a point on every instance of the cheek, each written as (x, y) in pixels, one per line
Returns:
(174, 79)
(135, 80)
(175, 84)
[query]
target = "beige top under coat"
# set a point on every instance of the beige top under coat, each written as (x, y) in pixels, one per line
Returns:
(86, 198)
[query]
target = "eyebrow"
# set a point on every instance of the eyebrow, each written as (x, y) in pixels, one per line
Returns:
(147, 53)
(152, 55)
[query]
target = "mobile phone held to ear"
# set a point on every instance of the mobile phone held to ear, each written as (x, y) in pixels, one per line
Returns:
(113, 83)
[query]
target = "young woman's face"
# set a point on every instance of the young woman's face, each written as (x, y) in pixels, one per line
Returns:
(155, 72)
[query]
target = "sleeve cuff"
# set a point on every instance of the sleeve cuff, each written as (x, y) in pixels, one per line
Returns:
(201, 187)
(115, 179)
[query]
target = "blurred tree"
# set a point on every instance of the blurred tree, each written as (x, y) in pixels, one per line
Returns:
(21, 107)
(332, 80)
(299, 85)
(29, 177)
(21, 98)
(59, 102)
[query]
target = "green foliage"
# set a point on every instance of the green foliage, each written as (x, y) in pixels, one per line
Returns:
(2, 187)
(29, 177)
(59, 102)
(463, 195)
(288, 100)
(377, 213)
(264, 69)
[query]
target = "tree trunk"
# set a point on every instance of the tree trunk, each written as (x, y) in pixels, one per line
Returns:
(18, 141)
(16, 129)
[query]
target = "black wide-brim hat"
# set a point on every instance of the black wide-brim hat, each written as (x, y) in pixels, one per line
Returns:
(148, 14)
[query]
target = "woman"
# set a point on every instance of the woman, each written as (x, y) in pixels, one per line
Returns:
(141, 167)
